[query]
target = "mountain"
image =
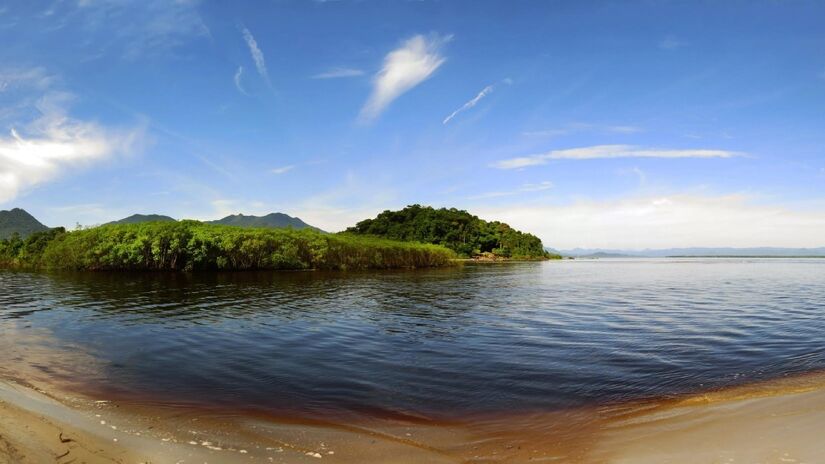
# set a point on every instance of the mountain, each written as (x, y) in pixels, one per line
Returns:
(136, 218)
(18, 220)
(698, 252)
(270, 220)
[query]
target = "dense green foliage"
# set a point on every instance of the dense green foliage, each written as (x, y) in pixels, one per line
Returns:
(455, 229)
(192, 245)
(18, 221)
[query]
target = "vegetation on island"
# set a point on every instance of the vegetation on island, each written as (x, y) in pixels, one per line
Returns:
(455, 229)
(193, 246)
(416, 236)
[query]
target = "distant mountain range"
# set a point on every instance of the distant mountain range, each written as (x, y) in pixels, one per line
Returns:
(137, 218)
(18, 220)
(270, 220)
(697, 251)
(23, 223)
(238, 220)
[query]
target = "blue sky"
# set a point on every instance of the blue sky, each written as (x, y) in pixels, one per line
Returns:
(592, 124)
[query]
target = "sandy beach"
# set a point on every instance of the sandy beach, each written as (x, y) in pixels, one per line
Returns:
(772, 422)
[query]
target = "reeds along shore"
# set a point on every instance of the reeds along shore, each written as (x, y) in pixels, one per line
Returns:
(194, 246)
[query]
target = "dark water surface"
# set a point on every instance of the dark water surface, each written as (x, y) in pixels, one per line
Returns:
(431, 343)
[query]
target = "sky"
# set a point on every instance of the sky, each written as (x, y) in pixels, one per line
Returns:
(602, 124)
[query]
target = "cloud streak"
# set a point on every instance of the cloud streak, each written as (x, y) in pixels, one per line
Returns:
(404, 68)
(473, 102)
(337, 73)
(257, 54)
(610, 152)
(237, 79)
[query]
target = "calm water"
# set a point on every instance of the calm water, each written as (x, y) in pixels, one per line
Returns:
(433, 343)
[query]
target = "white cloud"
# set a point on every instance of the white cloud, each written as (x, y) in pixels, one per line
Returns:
(404, 68)
(473, 102)
(283, 169)
(665, 222)
(610, 151)
(237, 79)
(42, 149)
(257, 55)
(336, 73)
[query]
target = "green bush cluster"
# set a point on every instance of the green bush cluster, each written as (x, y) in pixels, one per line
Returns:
(455, 229)
(192, 245)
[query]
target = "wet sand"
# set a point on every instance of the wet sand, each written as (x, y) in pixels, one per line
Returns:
(773, 422)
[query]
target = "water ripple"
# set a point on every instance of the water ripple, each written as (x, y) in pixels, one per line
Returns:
(528, 336)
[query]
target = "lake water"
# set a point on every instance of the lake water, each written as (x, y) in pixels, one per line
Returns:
(427, 344)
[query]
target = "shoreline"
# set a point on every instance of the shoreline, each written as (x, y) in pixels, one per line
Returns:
(773, 421)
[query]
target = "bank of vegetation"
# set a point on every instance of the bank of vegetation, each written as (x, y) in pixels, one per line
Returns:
(455, 229)
(194, 246)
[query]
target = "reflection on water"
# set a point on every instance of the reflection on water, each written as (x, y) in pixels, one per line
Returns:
(477, 339)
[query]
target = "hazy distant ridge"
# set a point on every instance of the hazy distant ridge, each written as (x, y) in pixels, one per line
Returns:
(138, 218)
(695, 251)
(239, 220)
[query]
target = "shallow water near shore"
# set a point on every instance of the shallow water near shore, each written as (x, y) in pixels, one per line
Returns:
(548, 342)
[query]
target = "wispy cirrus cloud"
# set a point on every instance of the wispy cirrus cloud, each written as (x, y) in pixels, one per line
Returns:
(257, 54)
(42, 149)
(404, 68)
(473, 102)
(36, 78)
(238, 82)
(610, 152)
(139, 28)
(337, 73)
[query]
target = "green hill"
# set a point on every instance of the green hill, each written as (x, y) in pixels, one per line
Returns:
(139, 218)
(270, 220)
(20, 222)
(455, 229)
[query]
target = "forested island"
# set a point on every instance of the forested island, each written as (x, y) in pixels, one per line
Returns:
(411, 238)
(455, 229)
